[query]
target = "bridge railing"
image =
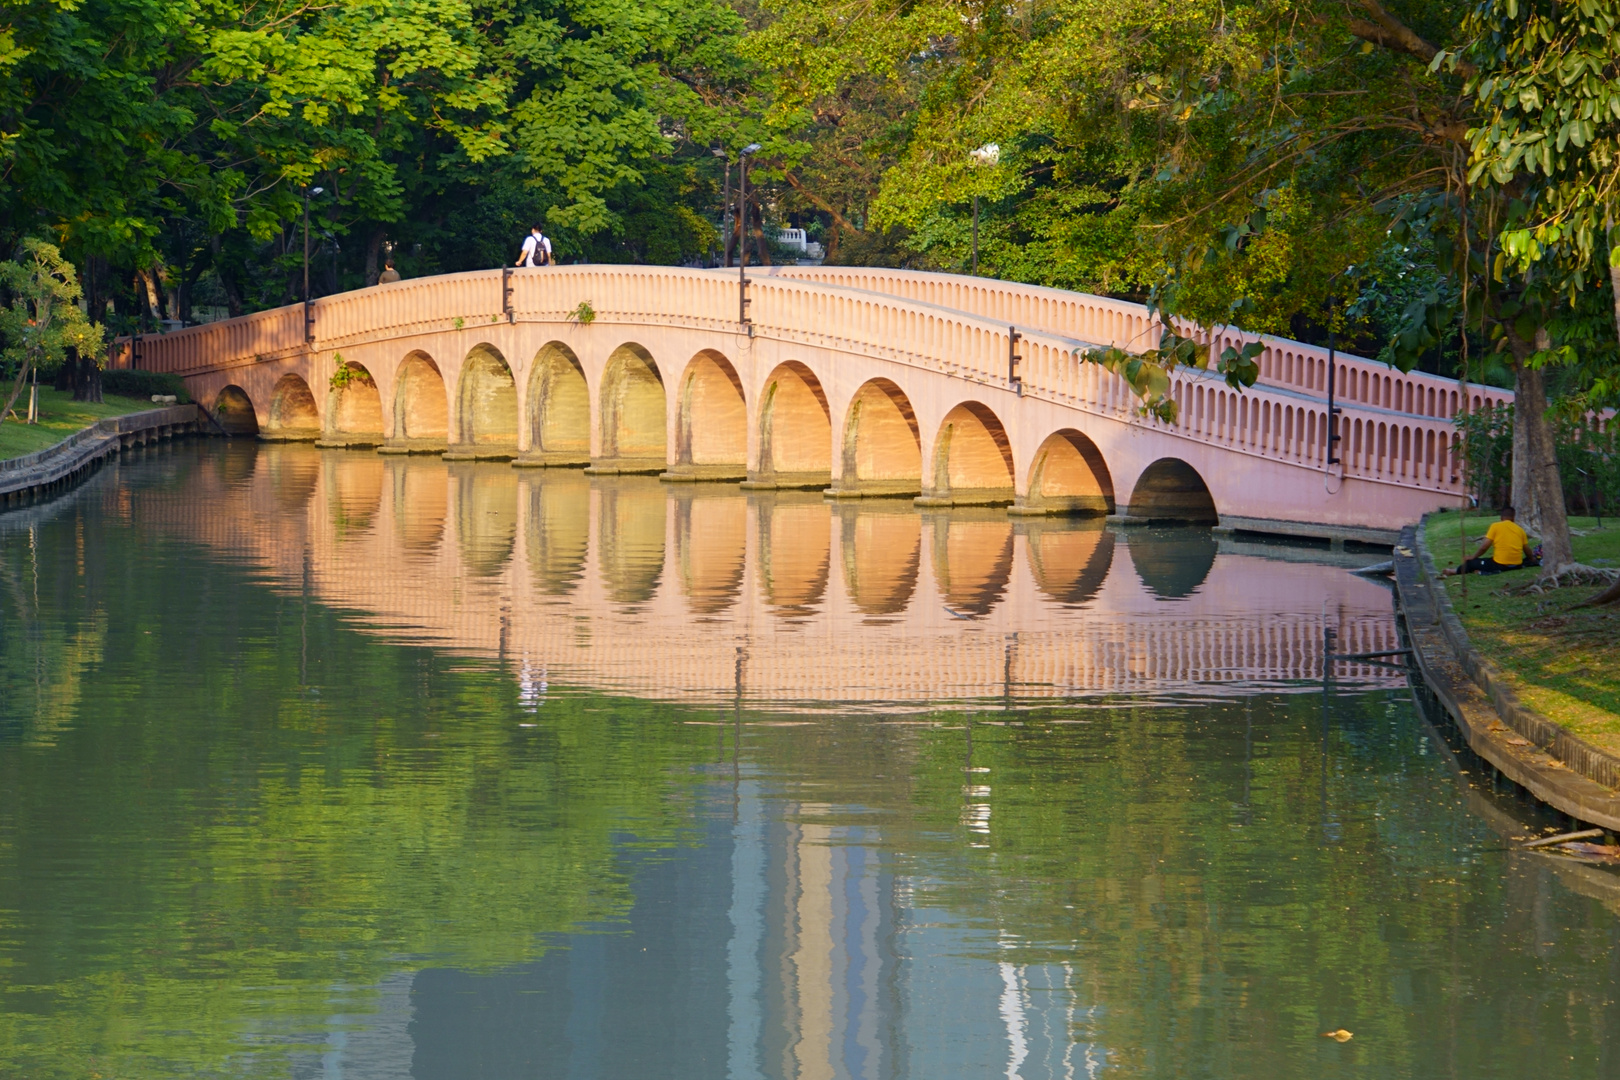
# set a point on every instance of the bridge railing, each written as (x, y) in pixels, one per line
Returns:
(1285, 364)
(1267, 422)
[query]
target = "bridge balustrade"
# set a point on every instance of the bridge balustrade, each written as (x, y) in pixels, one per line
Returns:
(1284, 363)
(1276, 423)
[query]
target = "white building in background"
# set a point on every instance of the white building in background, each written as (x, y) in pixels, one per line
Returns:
(810, 252)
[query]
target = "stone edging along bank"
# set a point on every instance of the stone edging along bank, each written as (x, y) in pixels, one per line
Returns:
(64, 463)
(1562, 770)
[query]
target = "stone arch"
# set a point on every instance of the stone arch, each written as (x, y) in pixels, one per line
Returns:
(486, 408)
(234, 412)
(559, 410)
(354, 415)
(973, 461)
(634, 420)
(711, 425)
(421, 408)
(294, 416)
(1069, 476)
(882, 452)
(1170, 490)
(795, 431)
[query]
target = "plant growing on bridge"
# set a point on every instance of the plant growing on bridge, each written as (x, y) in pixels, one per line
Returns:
(584, 314)
(41, 319)
(1148, 372)
(348, 373)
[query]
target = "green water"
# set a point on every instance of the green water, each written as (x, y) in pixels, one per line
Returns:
(254, 824)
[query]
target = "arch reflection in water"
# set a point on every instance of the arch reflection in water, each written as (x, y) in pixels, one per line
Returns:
(1070, 564)
(584, 578)
(973, 559)
(421, 502)
(795, 538)
(882, 547)
(1172, 563)
(559, 530)
(631, 537)
(486, 517)
(711, 542)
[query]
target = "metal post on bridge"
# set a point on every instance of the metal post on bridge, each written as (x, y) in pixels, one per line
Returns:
(1332, 409)
(506, 295)
(1013, 379)
(742, 236)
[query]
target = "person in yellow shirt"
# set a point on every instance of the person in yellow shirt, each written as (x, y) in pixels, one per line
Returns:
(1509, 541)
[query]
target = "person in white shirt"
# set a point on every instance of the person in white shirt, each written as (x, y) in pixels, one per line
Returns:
(536, 249)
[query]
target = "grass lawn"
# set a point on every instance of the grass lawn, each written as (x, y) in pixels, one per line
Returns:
(59, 417)
(1565, 663)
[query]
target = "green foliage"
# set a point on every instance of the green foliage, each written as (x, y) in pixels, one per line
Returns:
(134, 383)
(1588, 457)
(584, 314)
(1487, 436)
(42, 318)
(347, 373)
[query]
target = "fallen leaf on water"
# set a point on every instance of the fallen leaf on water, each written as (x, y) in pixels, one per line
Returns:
(1338, 1036)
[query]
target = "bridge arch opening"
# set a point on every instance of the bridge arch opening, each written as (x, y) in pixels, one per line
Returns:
(353, 407)
(1171, 491)
(559, 409)
(711, 429)
(486, 407)
(294, 416)
(795, 430)
(973, 461)
(421, 406)
(234, 412)
(882, 453)
(1069, 476)
(634, 425)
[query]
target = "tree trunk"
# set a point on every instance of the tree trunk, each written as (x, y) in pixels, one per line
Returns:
(1535, 462)
(373, 253)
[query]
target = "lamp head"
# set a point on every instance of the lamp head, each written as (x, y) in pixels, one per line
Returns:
(988, 154)
(751, 149)
(316, 190)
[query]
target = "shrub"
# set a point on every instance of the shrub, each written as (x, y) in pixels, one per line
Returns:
(143, 384)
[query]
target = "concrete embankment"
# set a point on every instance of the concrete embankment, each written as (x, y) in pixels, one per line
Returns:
(1535, 752)
(58, 466)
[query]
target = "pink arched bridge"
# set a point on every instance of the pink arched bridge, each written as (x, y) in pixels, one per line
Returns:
(866, 383)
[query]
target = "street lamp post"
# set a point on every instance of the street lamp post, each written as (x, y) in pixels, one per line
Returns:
(725, 207)
(988, 154)
(308, 314)
(742, 231)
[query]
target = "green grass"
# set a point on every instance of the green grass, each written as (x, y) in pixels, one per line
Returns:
(59, 417)
(1564, 663)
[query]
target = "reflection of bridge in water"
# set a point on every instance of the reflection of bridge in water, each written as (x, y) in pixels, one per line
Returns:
(699, 591)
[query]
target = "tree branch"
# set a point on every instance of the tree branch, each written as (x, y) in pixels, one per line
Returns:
(1386, 31)
(841, 221)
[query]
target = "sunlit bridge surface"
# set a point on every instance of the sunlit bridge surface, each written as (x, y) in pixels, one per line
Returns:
(329, 764)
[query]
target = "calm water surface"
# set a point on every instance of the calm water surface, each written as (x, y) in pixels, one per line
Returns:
(333, 765)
